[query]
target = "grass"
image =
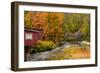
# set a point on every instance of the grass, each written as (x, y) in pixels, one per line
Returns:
(73, 52)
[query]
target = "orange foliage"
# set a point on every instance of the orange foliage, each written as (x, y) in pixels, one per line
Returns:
(51, 23)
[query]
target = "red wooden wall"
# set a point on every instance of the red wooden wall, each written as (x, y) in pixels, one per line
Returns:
(36, 35)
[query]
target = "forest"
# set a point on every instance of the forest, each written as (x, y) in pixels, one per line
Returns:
(59, 30)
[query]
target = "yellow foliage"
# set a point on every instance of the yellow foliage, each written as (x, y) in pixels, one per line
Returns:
(73, 52)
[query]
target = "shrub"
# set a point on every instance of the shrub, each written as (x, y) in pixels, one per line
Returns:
(43, 46)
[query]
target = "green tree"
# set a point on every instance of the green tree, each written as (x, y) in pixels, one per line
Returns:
(74, 22)
(85, 28)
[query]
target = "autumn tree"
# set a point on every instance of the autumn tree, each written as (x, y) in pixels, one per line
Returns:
(37, 20)
(55, 29)
(40, 21)
(51, 23)
(28, 16)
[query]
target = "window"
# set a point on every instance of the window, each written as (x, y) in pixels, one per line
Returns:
(28, 36)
